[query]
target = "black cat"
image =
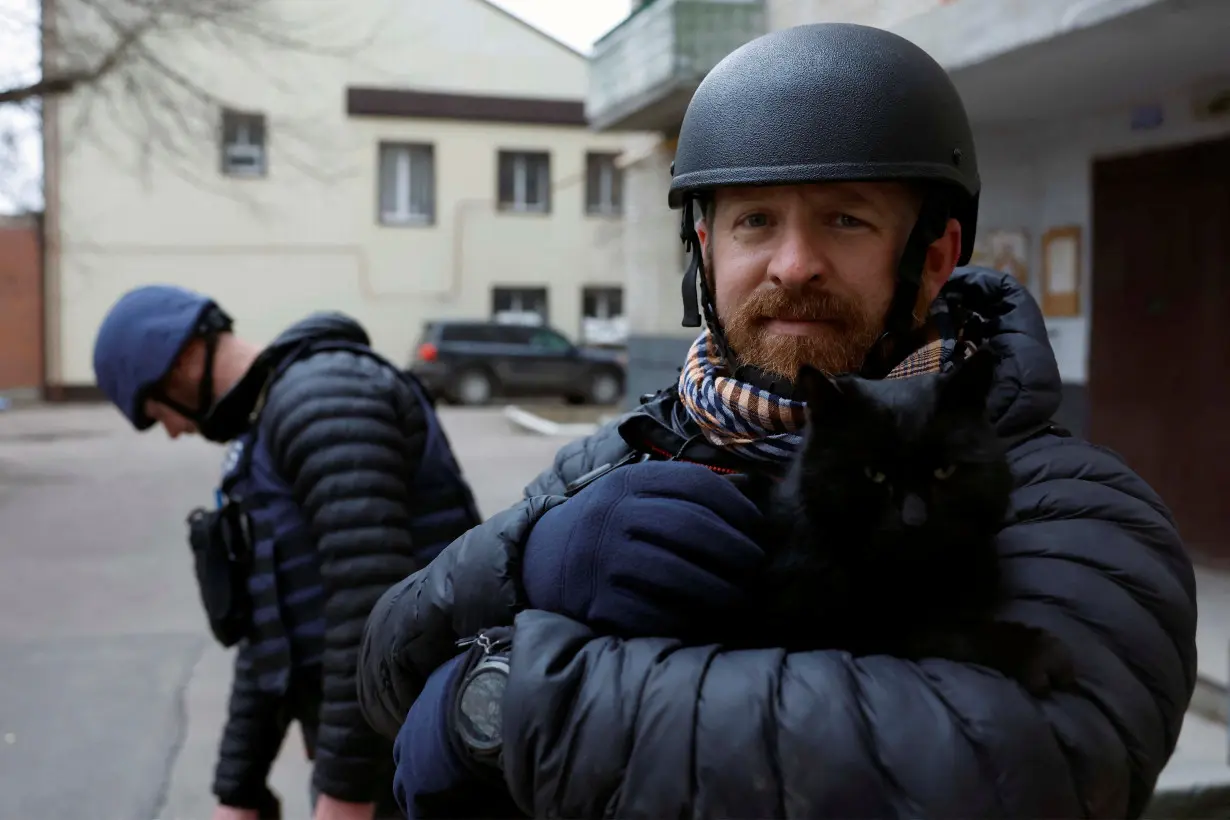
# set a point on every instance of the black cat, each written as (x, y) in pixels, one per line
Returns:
(884, 527)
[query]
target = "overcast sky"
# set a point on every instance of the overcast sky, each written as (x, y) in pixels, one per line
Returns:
(575, 22)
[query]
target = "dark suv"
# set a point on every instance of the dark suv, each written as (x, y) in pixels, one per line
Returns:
(470, 362)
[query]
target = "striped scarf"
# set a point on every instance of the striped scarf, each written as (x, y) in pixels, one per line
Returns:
(759, 425)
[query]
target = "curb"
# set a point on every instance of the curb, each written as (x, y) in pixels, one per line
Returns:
(1201, 802)
(527, 422)
(1211, 699)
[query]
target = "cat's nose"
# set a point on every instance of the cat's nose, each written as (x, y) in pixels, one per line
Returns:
(913, 510)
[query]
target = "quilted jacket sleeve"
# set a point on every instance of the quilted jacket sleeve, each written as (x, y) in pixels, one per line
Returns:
(598, 726)
(347, 436)
(256, 725)
(475, 583)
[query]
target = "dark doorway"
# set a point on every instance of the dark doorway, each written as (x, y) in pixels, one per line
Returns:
(1159, 360)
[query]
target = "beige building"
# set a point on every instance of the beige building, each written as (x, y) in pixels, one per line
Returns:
(1103, 134)
(420, 160)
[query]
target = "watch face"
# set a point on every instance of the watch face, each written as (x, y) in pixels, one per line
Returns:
(481, 707)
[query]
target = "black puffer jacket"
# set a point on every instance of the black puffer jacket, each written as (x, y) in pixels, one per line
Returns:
(351, 487)
(597, 726)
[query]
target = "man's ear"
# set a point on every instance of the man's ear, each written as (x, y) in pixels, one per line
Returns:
(702, 233)
(942, 256)
(189, 366)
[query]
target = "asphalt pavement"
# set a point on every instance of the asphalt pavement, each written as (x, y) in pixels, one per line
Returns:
(112, 693)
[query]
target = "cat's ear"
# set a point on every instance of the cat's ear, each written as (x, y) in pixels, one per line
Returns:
(970, 382)
(816, 389)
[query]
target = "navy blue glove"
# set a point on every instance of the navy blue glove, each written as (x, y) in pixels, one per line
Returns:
(652, 549)
(433, 777)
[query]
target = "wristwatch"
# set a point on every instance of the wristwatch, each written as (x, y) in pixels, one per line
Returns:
(478, 711)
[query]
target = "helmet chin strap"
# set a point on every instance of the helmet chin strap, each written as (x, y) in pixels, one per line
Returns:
(900, 324)
(205, 389)
(693, 277)
(698, 303)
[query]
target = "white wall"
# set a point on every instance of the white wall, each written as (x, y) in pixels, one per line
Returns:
(306, 237)
(653, 251)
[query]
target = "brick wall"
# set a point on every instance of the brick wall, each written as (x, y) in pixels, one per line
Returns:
(21, 304)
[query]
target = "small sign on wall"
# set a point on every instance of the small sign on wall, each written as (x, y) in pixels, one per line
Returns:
(1004, 250)
(1061, 271)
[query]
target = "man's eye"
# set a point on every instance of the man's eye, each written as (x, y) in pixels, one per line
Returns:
(755, 220)
(847, 221)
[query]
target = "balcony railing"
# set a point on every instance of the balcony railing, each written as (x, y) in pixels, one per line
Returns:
(644, 71)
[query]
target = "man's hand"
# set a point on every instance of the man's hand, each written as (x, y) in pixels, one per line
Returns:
(232, 813)
(434, 776)
(330, 808)
(658, 548)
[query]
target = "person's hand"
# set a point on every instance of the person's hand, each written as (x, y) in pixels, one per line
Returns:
(330, 808)
(434, 778)
(657, 548)
(424, 753)
(232, 813)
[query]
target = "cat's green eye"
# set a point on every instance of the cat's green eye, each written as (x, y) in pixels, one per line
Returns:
(945, 472)
(876, 477)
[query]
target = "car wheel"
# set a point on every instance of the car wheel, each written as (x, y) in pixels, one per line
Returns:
(605, 387)
(473, 388)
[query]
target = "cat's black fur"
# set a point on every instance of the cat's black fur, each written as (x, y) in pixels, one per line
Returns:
(883, 529)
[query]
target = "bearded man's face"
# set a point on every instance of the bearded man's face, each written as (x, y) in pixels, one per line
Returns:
(804, 274)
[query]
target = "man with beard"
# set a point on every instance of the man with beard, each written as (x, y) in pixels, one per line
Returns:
(829, 187)
(339, 482)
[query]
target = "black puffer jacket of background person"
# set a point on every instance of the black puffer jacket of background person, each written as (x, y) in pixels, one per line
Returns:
(349, 485)
(597, 726)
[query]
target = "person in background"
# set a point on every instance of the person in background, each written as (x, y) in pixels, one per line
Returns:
(338, 483)
(829, 185)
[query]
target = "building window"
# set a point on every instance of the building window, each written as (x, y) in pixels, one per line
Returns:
(602, 316)
(407, 184)
(525, 181)
(519, 306)
(243, 144)
(604, 185)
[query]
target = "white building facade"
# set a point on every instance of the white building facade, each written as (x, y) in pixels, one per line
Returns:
(1103, 135)
(439, 168)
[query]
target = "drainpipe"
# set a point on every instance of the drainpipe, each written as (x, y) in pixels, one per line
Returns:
(49, 223)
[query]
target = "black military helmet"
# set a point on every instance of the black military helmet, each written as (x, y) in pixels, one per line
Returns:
(829, 102)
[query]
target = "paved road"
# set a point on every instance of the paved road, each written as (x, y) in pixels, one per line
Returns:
(111, 693)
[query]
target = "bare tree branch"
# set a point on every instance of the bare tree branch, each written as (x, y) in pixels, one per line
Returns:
(131, 62)
(67, 81)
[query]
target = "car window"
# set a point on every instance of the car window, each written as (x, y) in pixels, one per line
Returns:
(468, 333)
(550, 340)
(514, 334)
